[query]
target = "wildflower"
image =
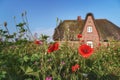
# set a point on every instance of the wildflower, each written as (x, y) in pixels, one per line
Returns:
(108, 44)
(5, 24)
(79, 36)
(35, 63)
(75, 68)
(48, 78)
(56, 45)
(85, 50)
(53, 47)
(0, 39)
(82, 41)
(39, 42)
(99, 44)
(35, 36)
(50, 59)
(62, 63)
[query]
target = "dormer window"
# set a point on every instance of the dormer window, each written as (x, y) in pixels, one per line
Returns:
(89, 29)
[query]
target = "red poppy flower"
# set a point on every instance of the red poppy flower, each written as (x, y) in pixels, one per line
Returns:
(75, 68)
(38, 42)
(82, 41)
(85, 50)
(79, 36)
(56, 46)
(99, 44)
(53, 47)
(107, 44)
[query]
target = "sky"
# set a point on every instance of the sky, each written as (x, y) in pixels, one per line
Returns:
(42, 14)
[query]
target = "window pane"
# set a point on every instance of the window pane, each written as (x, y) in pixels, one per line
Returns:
(89, 29)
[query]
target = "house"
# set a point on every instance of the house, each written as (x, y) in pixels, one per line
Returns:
(94, 31)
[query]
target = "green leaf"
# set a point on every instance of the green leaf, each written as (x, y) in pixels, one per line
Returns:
(20, 24)
(34, 74)
(26, 58)
(28, 79)
(28, 70)
(5, 32)
(34, 57)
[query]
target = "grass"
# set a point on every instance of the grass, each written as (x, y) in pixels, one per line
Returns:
(28, 61)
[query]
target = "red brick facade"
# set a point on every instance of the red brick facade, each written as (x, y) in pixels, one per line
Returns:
(90, 35)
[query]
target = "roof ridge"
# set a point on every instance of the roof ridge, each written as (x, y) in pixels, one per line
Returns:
(84, 19)
(101, 19)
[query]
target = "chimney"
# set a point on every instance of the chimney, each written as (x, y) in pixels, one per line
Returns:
(79, 18)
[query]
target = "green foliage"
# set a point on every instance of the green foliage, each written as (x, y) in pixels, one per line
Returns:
(28, 61)
(44, 37)
(23, 31)
(2, 74)
(20, 24)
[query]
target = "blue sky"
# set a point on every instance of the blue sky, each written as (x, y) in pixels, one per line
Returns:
(42, 14)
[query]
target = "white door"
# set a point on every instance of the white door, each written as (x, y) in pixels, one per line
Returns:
(90, 43)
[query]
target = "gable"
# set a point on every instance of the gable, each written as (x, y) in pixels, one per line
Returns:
(90, 22)
(90, 33)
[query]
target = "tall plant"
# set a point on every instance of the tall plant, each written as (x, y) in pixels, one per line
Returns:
(25, 20)
(22, 28)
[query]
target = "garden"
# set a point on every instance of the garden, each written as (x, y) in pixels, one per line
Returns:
(22, 58)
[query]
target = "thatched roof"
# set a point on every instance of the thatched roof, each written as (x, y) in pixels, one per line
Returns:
(68, 29)
(107, 29)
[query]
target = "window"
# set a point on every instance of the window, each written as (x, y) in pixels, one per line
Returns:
(90, 43)
(89, 29)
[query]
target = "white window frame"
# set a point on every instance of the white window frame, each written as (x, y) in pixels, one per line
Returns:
(89, 29)
(90, 43)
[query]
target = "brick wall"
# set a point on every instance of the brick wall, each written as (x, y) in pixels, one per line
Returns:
(90, 36)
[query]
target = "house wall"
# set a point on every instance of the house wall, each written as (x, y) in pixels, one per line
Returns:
(90, 36)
